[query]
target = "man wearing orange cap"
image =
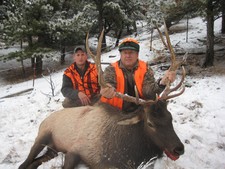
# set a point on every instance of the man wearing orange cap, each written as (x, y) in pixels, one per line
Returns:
(130, 72)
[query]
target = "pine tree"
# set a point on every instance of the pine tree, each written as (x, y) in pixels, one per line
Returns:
(113, 16)
(43, 24)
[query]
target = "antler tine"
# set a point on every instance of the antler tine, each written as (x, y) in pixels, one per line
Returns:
(88, 49)
(128, 98)
(136, 93)
(139, 101)
(99, 48)
(181, 81)
(177, 94)
(97, 58)
(160, 35)
(165, 94)
(174, 65)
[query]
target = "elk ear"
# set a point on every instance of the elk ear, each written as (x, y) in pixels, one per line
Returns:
(131, 121)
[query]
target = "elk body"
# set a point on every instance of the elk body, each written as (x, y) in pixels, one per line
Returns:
(91, 135)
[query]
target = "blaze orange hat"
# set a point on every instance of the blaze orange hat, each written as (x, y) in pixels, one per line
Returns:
(129, 43)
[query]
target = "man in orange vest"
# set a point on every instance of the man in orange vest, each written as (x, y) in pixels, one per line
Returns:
(123, 75)
(80, 81)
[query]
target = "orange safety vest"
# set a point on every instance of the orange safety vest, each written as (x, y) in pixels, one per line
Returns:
(138, 78)
(88, 83)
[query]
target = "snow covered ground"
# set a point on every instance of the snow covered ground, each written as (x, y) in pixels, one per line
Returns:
(199, 114)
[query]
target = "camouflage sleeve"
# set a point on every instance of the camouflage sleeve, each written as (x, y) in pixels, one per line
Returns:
(151, 86)
(67, 88)
(109, 75)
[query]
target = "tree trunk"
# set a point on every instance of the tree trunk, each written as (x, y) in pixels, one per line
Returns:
(187, 30)
(168, 23)
(23, 69)
(223, 16)
(118, 37)
(209, 59)
(135, 26)
(63, 50)
(21, 59)
(99, 4)
(30, 42)
(32, 62)
(21, 43)
(38, 65)
(129, 32)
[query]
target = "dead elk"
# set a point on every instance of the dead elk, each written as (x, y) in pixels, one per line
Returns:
(91, 135)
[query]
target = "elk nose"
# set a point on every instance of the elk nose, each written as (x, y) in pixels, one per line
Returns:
(179, 150)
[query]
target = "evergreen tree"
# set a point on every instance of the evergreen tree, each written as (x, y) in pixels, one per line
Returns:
(43, 24)
(69, 26)
(113, 16)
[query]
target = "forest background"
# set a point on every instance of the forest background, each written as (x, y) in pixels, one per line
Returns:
(44, 28)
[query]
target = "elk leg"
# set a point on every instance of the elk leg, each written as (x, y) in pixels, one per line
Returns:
(35, 150)
(50, 154)
(71, 160)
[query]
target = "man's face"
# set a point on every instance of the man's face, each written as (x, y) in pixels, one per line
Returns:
(129, 58)
(80, 57)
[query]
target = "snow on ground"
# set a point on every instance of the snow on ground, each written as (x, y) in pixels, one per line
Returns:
(199, 114)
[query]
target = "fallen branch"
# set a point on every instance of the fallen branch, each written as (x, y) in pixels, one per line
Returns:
(17, 93)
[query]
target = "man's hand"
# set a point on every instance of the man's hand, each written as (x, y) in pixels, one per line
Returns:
(169, 76)
(84, 99)
(108, 92)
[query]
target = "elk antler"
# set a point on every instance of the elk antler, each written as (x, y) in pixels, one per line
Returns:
(174, 66)
(97, 58)
(174, 63)
(102, 83)
(165, 94)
